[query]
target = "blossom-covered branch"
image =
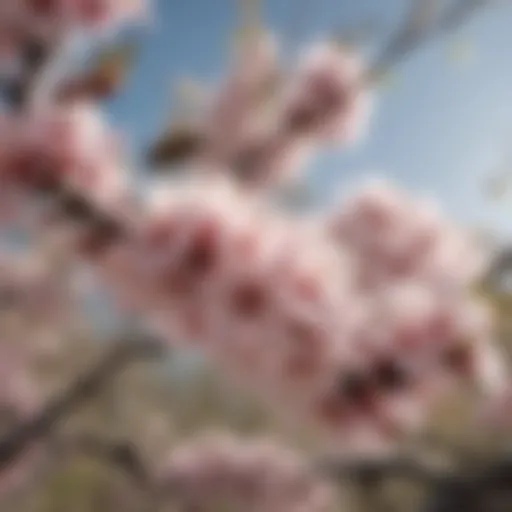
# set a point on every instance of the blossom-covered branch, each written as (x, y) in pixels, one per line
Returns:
(265, 121)
(205, 266)
(358, 321)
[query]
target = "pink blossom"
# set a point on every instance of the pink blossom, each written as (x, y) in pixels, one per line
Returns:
(71, 144)
(278, 307)
(253, 474)
(326, 99)
(235, 108)
(394, 236)
(108, 12)
(263, 142)
(43, 16)
(239, 127)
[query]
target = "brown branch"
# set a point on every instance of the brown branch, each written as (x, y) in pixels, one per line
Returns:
(121, 455)
(84, 388)
(368, 472)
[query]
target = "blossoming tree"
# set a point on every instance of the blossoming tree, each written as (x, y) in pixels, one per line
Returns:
(353, 324)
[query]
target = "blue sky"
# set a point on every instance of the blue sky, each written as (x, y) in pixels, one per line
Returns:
(439, 130)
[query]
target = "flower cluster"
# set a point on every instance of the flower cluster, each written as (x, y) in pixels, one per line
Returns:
(70, 145)
(327, 100)
(416, 272)
(281, 306)
(358, 323)
(234, 111)
(416, 266)
(263, 122)
(394, 237)
(254, 474)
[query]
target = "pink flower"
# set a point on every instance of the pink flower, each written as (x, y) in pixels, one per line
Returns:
(253, 474)
(108, 12)
(235, 109)
(41, 147)
(82, 13)
(394, 236)
(327, 99)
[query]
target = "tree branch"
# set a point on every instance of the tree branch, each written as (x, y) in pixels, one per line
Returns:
(84, 388)
(370, 471)
(407, 40)
(121, 455)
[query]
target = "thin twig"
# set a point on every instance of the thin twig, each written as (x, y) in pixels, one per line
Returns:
(406, 41)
